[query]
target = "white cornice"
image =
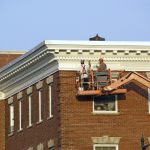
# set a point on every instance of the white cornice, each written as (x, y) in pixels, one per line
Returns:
(51, 56)
(28, 76)
(107, 58)
(6, 74)
(98, 45)
(101, 46)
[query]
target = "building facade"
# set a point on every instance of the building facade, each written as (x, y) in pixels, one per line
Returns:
(40, 109)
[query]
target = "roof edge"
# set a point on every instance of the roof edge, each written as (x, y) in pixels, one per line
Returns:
(67, 42)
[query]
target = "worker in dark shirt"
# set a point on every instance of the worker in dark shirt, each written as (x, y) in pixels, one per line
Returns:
(102, 66)
(102, 74)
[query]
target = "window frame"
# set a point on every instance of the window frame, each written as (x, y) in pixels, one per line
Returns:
(50, 101)
(40, 105)
(11, 118)
(30, 109)
(106, 145)
(107, 112)
(20, 115)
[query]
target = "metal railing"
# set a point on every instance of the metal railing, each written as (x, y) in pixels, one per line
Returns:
(96, 80)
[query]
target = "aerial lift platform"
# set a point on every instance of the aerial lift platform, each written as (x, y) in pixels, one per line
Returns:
(95, 83)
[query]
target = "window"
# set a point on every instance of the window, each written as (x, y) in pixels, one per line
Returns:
(50, 102)
(40, 147)
(105, 104)
(30, 109)
(40, 106)
(11, 114)
(105, 147)
(20, 114)
(50, 144)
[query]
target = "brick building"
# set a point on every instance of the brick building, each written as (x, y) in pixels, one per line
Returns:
(40, 109)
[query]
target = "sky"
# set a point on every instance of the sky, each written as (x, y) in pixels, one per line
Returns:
(26, 23)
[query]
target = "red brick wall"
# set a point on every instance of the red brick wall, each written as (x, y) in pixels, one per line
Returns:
(79, 124)
(2, 125)
(74, 124)
(6, 58)
(38, 133)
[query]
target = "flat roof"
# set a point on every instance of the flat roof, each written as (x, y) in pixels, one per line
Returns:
(138, 43)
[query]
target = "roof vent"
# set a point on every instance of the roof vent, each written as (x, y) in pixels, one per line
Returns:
(96, 38)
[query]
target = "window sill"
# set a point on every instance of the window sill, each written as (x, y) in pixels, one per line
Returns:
(39, 122)
(30, 126)
(106, 113)
(20, 130)
(11, 134)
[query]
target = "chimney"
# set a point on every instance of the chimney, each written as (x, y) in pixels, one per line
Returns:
(96, 38)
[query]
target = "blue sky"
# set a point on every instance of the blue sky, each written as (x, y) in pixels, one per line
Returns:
(26, 23)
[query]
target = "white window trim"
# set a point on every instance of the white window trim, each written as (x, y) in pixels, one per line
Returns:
(50, 100)
(105, 145)
(11, 116)
(107, 112)
(40, 105)
(149, 100)
(20, 114)
(30, 109)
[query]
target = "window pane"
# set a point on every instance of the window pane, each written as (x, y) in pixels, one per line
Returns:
(104, 103)
(30, 109)
(50, 102)
(11, 107)
(20, 114)
(40, 106)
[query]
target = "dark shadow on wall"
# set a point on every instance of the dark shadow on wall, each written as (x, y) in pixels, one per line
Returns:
(138, 88)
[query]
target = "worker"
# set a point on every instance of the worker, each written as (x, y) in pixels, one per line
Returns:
(102, 74)
(83, 71)
(102, 66)
(84, 76)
